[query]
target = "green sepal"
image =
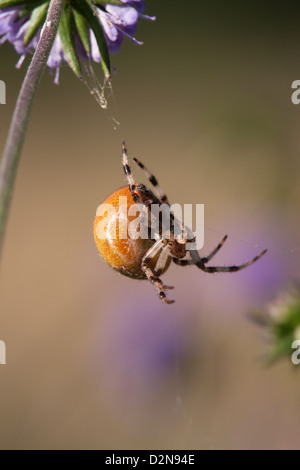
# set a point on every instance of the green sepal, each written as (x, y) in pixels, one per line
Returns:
(112, 2)
(83, 30)
(87, 12)
(37, 18)
(12, 3)
(281, 348)
(65, 30)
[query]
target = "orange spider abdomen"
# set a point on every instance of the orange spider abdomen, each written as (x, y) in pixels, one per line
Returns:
(122, 254)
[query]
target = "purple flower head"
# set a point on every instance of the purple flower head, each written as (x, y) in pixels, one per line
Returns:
(87, 30)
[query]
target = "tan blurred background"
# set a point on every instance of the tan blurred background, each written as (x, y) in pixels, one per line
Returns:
(206, 104)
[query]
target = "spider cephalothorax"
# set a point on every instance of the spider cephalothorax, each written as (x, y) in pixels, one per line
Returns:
(149, 257)
(177, 249)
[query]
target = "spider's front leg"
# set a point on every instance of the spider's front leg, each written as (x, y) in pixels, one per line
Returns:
(152, 275)
(190, 262)
(200, 263)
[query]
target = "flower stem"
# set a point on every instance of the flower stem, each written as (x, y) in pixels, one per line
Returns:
(18, 126)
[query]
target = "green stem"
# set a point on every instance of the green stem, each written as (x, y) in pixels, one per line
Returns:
(18, 127)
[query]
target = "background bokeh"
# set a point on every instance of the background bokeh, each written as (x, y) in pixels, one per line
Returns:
(91, 355)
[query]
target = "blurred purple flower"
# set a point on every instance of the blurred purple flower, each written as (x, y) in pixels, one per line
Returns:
(116, 21)
(136, 348)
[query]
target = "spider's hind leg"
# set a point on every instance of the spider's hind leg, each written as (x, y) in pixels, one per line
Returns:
(128, 174)
(162, 196)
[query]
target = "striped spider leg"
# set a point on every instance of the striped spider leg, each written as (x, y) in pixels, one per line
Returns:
(142, 195)
(169, 246)
(196, 260)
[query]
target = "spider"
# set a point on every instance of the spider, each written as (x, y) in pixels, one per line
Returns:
(150, 258)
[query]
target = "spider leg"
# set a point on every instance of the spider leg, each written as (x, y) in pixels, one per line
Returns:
(200, 263)
(183, 262)
(189, 262)
(162, 260)
(215, 251)
(128, 174)
(159, 192)
(132, 186)
(161, 195)
(153, 278)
